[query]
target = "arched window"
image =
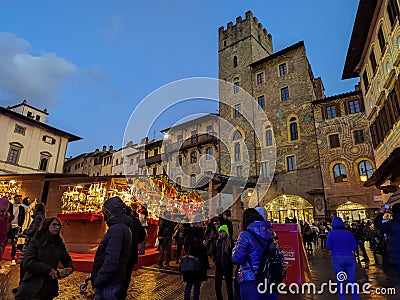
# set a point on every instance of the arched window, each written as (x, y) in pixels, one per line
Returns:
(294, 133)
(209, 153)
(235, 61)
(236, 136)
(237, 151)
(268, 135)
(193, 157)
(365, 168)
(339, 173)
(193, 180)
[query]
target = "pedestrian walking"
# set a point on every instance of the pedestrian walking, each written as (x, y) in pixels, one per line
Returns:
(18, 211)
(143, 214)
(211, 236)
(323, 234)
(178, 236)
(392, 229)
(342, 243)
(308, 236)
(226, 220)
(109, 268)
(248, 253)
(42, 257)
(359, 234)
(5, 224)
(138, 235)
(194, 243)
(29, 233)
(222, 257)
(165, 232)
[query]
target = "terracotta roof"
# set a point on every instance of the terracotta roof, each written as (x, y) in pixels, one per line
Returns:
(330, 98)
(362, 24)
(13, 114)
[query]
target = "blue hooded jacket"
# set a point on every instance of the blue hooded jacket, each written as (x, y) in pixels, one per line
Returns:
(340, 241)
(249, 249)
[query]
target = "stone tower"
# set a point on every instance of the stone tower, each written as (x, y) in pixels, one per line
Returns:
(282, 87)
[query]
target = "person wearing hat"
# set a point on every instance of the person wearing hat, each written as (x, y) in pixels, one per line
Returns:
(222, 257)
(227, 216)
(5, 223)
(248, 252)
(109, 267)
(194, 244)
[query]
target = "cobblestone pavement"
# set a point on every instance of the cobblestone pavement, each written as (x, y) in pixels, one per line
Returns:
(153, 283)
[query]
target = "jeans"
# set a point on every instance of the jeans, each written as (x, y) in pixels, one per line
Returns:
(109, 292)
(14, 239)
(165, 244)
(196, 290)
(347, 265)
(323, 241)
(248, 290)
(219, 275)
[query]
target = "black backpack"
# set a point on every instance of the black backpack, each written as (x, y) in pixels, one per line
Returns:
(271, 269)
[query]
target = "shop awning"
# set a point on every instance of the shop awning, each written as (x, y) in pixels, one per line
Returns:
(388, 170)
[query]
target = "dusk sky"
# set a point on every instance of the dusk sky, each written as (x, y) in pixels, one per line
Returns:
(91, 62)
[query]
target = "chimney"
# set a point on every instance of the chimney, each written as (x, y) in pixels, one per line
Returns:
(97, 150)
(145, 140)
(104, 148)
(111, 148)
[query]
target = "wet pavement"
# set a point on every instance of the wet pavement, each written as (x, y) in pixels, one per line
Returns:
(155, 283)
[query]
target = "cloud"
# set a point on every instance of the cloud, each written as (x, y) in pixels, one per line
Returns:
(114, 25)
(115, 95)
(39, 79)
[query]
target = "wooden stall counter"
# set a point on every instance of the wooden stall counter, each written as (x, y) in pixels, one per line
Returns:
(82, 232)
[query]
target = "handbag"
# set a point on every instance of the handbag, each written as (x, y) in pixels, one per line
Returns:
(189, 264)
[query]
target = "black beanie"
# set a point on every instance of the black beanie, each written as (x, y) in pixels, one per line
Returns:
(251, 215)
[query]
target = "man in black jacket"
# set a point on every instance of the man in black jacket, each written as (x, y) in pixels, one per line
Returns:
(165, 232)
(18, 211)
(109, 267)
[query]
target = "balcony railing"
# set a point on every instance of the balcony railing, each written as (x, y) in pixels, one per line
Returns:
(150, 160)
(191, 142)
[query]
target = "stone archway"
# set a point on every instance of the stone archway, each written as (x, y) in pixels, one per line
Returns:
(290, 206)
(351, 211)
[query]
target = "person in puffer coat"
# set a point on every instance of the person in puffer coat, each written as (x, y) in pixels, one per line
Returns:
(248, 249)
(392, 229)
(342, 244)
(109, 267)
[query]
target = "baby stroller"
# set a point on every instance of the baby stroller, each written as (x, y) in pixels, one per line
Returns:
(83, 287)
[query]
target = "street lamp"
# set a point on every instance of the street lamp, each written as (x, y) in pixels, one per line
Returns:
(363, 178)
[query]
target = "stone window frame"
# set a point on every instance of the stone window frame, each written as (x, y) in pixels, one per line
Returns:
(287, 157)
(330, 140)
(283, 71)
(293, 119)
(14, 153)
(19, 129)
(263, 101)
(344, 177)
(260, 78)
(285, 94)
(354, 136)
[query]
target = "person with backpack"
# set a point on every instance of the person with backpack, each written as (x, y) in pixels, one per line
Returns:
(18, 211)
(222, 258)
(254, 242)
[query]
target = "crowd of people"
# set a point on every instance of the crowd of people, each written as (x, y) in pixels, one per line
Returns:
(206, 241)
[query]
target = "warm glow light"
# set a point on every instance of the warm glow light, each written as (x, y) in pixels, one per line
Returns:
(79, 187)
(363, 178)
(12, 181)
(249, 194)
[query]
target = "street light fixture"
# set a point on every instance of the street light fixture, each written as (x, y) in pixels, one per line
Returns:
(363, 178)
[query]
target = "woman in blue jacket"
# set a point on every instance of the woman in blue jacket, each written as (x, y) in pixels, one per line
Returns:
(248, 253)
(342, 244)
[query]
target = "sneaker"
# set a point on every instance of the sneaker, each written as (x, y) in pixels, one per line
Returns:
(13, 262)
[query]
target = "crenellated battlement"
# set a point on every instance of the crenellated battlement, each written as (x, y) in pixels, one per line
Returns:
(244, 28)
